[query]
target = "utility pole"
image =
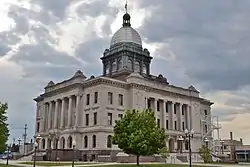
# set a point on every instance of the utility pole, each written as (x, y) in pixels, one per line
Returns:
(24, 138)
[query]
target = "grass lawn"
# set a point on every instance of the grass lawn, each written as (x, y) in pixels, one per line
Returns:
(4, 165)
(149, 165)
(55, 163)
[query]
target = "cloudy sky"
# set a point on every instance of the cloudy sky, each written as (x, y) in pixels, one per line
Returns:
(204, 43)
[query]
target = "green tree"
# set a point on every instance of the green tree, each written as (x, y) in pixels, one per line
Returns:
(137, 133)
(4, 131)
(164, 153)
(205, 154)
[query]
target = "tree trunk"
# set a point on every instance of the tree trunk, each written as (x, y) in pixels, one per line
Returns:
(138, 160)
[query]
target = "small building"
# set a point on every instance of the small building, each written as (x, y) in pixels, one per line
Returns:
(242, 153)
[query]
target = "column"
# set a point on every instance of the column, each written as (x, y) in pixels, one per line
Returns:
(163, 104)
(190, 117)
(56, 115)
(44, 116)
(78, 97)
(70, 111)
(180, 116)
(49, 115)
(62, 113)
(172, 118)
(155, 109)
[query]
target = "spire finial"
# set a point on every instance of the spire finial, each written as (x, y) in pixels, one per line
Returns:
(126, 6)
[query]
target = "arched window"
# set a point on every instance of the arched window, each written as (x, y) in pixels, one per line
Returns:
(86, 141)
(130, 64)
(119, 64)
(186, 145)
(107, 68)
(144, 68)
(137, 66)
(43, 144)
(69, 142)
(109, 141)
(114, 67)
(62, 143)
(94, 141)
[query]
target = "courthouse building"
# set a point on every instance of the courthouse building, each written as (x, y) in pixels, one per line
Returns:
(84, 109)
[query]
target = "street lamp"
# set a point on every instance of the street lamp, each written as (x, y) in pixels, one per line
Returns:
(189, 135)
(8, 154)
(181, 139)
(222, 146)
(73, 159)
(34, 158)
(206, 141)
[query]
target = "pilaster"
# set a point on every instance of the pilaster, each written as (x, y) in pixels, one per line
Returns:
(62, 114)
(56, 115)
(70, 112)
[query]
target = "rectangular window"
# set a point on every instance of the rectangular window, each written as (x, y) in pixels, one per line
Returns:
(110, 98)
(158, 123)
(87, 99)
(175, 125)
(95, 118)
(183, 126)
(182, 112)
(166, 107)
(96, 97)
(109, 118)
(158, 105)
(87, 119)
(120, 116)
(205, 112)
(166, 124)
(120, 98)
(38, 127)
(149, 103)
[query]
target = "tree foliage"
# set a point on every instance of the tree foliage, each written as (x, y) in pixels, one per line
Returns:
(4, 131)
(138, 134)
(205, 154)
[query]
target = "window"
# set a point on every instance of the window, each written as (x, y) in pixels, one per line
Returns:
(158, 105)
(114, 67)
(95, 118)
(166, 107)
(120, 98)
(37, 127)
(109, 141)
(110, 98)
(166, 124)
(183, 125)
(205, 112)
(158, 122)
(144, 68)
(85, 141)
(175, 125)
(119, 64)
(87, 119)
(107, 69)
(109, 118)
(129, 64)
(149, 103)
(205, 128)
(120, 116)
(137, 66)
(182, 111)
(87, 99)
(94, 141)
(96, 97)
(175, 107)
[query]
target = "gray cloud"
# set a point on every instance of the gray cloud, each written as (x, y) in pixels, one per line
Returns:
(208, 38)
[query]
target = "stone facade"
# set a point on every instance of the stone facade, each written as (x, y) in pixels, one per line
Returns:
(84, 109)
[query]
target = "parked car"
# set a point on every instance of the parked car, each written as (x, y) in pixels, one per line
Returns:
(6, 155)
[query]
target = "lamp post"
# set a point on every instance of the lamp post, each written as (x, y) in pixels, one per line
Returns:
(19, 143)
(34, 158)
(8, 152)
(181, 139)
(189, 135)
(206, 142)
(73, 159)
